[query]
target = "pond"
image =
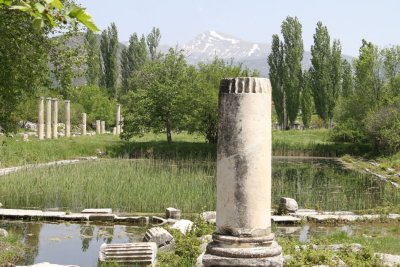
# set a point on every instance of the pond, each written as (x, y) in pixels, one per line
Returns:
(152, 185)
(79, 244)
(69, 244)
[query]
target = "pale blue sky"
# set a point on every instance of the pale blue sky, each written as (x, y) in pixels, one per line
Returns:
(252, 20)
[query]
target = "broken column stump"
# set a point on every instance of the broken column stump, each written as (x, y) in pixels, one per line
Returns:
(131, 254)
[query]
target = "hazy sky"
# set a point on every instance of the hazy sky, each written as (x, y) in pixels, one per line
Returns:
(252, 20)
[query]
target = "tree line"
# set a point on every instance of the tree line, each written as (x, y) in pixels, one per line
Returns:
(161, 92)
(360, 100)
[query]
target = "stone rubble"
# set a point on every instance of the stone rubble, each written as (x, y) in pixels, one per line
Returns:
(164, 240)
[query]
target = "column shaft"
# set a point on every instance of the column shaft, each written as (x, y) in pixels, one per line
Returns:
(40, 125)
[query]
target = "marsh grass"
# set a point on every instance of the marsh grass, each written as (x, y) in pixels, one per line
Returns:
(11, 250)
(124, 185)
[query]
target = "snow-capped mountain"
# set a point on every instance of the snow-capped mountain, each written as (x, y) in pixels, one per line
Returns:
(209, 44)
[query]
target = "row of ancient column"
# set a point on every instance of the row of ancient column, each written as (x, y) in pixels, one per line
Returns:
(52, 120)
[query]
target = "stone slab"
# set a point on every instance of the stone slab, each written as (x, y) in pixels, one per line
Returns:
(105, 211)
(389, 259)
(212, 260)
(285, 219)
(344, 218)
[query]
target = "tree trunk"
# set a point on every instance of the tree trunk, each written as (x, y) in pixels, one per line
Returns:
(168, 126)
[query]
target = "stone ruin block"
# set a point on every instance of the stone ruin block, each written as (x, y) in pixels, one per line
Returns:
(172, 213)
(164, 240)
(130, 254)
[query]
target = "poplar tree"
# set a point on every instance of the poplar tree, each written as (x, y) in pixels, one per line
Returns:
(276, 75)
(109, 50)
(335, 79)
(326, 73)
(93, 63)
(306, 100)
(153, 40)
(125, 69)
(293, 54)
(320, 70)
(347, 79)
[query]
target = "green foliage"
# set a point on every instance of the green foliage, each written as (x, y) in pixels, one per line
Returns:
(370, 114)
(153, 40)
(11, 250)
(205, 96)
(326, 73)
(276, 76)
(109, 47)
(347, 79)
(51, 13)
(20, 76)
(383, 126)
(306, 100)
(133, 59)
(67, 58)
(187, 247)
(293, 54)
(95, 102)
(93, 63)
(162, 99)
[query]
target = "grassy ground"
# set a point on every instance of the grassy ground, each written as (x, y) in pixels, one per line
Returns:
(14, 152)
(370, 235)
(11, 250)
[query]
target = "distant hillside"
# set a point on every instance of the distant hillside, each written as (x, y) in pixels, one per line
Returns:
(205, 46)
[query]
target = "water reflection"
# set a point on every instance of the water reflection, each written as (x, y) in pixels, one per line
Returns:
(69, 244)
(324, 184)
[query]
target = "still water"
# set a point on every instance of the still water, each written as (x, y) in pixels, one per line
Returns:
(69, 244)
(324, 184)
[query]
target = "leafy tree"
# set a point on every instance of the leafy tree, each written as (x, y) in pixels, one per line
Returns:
(320, 70)
(93, 63)
(335, 80)
(293, 54)
(67, 58)
(109, 51)
(347, 79)
(353, 111)
(95, 102)
(125, 70)
(51, 13)
(132, 60)
(159, 103)
(306, 100)
(276, 76)
(153, 40)
(20, 76)
(326, 72)
(205, 95)
(368, 74)
(391, 64)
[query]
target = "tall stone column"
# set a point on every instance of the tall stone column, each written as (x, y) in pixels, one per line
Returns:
(55, 118)
(98, 127)
(118, 119)
(102, 127)
(83, 126)
(40, 125)
(243, 236)
(67, 118)
(48, 117)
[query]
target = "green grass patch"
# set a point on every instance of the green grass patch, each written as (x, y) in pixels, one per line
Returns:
(14, 152)
(11, 250)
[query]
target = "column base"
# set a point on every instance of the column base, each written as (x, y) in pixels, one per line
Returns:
(237, 251)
